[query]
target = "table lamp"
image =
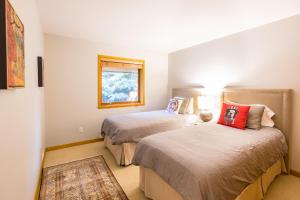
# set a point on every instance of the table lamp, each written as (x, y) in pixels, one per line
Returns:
(205, 106)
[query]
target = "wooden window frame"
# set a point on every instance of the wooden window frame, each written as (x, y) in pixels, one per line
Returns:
(141, 82)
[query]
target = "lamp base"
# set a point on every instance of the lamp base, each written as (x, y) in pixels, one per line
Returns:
(206, 116)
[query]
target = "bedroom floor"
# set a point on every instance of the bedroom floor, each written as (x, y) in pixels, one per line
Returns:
(283, 188)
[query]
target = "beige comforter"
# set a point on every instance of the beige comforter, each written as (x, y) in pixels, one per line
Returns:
(211, 161)
(135, 126)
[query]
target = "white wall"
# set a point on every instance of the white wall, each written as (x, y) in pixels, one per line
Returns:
(71, 87)
(22, 116)
(264, 57)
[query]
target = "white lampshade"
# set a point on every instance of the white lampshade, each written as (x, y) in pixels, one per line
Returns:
(206, 102)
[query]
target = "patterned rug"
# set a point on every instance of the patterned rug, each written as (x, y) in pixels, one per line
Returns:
(88, 179)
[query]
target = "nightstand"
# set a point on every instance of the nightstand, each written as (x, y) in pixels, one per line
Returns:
(198, 122)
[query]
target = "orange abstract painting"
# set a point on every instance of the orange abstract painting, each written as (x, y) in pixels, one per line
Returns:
(14, 48)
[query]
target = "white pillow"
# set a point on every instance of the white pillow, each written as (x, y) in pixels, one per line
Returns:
(185, 106)
(174, 105)
(190, 107)
(266, 117)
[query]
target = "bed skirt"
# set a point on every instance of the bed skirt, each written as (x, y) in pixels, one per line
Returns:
(123, 153)
(156, 188)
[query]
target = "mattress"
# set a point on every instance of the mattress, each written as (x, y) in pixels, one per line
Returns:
(133, 127)
(211, 161)
(156, 188)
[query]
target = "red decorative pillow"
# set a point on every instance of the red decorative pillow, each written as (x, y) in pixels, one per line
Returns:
(234, 115)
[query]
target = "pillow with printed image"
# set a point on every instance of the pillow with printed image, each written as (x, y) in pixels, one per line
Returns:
(174, 105)
(234, 115)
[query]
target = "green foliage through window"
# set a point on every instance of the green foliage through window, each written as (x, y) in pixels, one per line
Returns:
(119, 86)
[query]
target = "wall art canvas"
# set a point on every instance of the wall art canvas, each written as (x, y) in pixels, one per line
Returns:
(12, 45)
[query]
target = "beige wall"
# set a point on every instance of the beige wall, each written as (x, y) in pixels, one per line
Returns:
(71, 86)
(264, 57)
(22, 116)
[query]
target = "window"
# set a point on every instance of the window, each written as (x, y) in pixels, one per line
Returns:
(120, 82)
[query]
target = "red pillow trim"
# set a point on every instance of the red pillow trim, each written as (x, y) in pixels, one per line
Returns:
(234, 115)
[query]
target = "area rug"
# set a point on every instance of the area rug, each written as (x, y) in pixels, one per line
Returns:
(88, 179)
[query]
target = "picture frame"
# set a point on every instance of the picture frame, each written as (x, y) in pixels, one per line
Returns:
(40, 63)
(12, 56)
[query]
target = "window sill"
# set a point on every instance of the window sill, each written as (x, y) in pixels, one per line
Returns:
(106, 106)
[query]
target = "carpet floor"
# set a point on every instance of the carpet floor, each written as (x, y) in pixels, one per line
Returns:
(283, 188)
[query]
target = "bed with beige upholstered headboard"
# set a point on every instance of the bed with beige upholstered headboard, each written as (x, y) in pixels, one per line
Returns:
(156, 186)
(278, 100)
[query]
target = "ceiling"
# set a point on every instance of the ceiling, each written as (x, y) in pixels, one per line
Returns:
(159, 25)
